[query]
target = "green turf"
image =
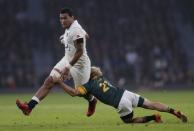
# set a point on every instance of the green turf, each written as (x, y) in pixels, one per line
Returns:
(61, 112)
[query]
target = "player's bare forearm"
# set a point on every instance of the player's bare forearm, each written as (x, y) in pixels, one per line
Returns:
(68, 89)
(79, 51)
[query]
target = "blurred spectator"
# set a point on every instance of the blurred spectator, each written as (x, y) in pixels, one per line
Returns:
(133, 59)
(156, 59)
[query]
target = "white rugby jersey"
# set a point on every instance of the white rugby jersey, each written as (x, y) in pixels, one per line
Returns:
(75, 31)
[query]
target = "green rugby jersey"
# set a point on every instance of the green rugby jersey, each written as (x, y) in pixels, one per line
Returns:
(103, 91)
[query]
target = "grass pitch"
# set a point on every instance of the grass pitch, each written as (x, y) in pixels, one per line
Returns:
(60, 112)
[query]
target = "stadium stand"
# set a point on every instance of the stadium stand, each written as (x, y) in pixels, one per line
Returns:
(135, 42)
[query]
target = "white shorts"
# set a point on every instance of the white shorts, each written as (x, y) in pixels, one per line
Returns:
(128, 101)
(80, 73)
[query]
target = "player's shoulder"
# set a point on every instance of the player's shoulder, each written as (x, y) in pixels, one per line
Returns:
(77, 32)
(75, 29)
(76, 26)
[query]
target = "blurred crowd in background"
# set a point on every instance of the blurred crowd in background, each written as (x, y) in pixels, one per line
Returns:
(135, 42)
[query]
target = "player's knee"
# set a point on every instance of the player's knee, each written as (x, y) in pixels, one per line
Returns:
(127, 121)
(128, 118)
(49, 82)
(55, 75)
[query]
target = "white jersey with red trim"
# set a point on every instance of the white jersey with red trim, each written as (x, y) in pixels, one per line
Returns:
(74, 32)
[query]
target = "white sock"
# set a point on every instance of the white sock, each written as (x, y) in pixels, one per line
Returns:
(92, 98)
(36, 99)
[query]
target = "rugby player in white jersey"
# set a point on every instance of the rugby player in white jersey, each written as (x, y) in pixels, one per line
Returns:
(75, 63)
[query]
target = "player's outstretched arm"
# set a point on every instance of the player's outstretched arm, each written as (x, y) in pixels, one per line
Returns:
(69, 90)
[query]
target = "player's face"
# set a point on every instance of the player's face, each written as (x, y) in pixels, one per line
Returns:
(66, 20)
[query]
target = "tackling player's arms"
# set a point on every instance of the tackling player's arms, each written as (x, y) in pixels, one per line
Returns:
(79, 50)
(69, 90)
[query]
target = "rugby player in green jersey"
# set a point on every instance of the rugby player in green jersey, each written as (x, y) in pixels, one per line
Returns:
(121, 99)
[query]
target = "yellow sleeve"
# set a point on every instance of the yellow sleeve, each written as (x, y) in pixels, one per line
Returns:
(82, 90)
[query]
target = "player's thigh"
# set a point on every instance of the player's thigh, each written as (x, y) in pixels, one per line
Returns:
(61, 64)
(58, 68)
(125, 106)
(137, 100)
(80, 75)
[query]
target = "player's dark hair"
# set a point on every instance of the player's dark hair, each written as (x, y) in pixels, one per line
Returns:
(67, 10)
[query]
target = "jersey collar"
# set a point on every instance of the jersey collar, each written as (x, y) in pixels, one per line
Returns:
(75, 22)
